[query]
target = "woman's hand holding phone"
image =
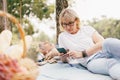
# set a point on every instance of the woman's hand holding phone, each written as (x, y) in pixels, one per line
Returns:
(64, 57)
(62, 50)
(63, 54)
(75, 54)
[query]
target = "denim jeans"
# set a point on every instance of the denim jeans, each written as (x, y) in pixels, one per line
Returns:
(107, 61)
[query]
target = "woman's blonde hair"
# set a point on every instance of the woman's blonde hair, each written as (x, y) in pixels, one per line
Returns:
(69, 14)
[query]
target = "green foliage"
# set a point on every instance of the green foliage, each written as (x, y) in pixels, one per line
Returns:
(108, 27)
(20, 8)
(28, 27)
(15, 6)
(41, 9)
(42, 37)
(32, 52)
(25, 7)
(0, 4)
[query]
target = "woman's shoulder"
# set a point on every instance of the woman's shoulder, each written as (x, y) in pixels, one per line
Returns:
(63, 33)
(86, 27)
(89, 30)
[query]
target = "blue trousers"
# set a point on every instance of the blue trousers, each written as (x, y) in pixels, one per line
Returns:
(107, 61)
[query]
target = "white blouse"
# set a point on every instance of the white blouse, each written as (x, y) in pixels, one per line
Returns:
(78, 42)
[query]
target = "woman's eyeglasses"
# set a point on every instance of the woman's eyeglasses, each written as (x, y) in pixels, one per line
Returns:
(71, 23)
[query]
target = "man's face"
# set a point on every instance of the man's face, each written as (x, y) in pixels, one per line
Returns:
(45, 47)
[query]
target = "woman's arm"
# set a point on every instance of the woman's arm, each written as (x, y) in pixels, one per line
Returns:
(98, 40)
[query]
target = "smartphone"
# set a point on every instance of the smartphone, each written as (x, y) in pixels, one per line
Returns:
(61, 50)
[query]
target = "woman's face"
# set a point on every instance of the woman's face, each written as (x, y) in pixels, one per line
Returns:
(70, 26)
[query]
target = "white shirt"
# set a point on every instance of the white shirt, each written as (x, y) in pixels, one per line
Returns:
(78, 42)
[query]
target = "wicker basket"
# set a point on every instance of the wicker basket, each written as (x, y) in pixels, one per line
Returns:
(29, 64)
(16, 22)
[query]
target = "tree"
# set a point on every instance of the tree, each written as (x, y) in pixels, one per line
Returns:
(60, 5)
(29, 30)
(107, 27)
(25, 7)
(3, 20)
(20, 8)
(42, 37)
(41, 9)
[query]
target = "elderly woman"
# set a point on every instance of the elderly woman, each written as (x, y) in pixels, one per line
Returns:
(99, 55)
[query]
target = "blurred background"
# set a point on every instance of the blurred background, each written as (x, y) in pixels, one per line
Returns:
(101, 14)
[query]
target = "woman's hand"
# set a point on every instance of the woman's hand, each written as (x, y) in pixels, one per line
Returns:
(75, 54)
(64, 57)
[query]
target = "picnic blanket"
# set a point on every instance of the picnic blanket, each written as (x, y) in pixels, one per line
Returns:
(62, 71)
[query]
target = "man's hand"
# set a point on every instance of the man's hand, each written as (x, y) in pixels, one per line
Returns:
(51, 54)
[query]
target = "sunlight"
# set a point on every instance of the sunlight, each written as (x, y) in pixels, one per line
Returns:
(89, 9)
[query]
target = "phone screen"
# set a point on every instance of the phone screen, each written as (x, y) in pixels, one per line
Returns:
(61, 50)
